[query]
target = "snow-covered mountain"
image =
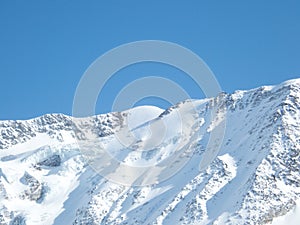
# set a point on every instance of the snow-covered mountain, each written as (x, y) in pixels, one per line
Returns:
(56, 169)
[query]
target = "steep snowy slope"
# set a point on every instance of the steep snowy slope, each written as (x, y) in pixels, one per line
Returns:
(161, 173)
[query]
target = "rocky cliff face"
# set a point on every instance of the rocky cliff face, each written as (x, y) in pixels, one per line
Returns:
(45, 178)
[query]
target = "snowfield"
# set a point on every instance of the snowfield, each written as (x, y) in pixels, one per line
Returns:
(233, 159)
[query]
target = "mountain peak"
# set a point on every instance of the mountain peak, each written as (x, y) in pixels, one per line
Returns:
(79, 170)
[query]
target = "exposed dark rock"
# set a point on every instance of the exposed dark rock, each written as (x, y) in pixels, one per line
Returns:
(52, 161)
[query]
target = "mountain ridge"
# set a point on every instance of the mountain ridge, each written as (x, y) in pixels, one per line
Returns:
(254, 179)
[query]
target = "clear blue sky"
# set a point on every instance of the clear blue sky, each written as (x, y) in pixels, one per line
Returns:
(45, 46)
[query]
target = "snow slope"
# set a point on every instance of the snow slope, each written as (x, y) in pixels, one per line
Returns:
(291, 218)
(149, 166)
